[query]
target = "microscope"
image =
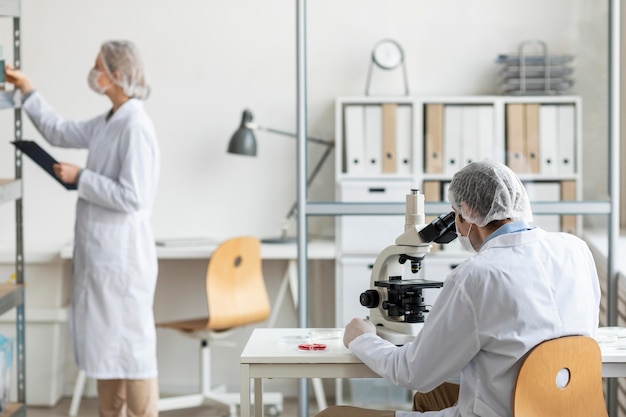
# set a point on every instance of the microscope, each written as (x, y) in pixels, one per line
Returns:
(396, 304)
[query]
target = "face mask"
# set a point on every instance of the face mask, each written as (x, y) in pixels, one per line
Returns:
(465, 241)
(92, 80)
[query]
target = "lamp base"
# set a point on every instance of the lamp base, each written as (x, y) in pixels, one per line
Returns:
(278, 240)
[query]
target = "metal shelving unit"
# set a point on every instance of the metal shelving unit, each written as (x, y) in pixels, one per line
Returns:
(11, 190)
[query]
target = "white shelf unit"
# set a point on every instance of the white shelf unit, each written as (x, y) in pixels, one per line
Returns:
(11, 190)
(419, 142)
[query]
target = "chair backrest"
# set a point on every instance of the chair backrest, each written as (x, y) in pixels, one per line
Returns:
(537, 393)
(236, 293)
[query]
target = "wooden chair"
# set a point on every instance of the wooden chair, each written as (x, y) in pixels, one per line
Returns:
(236, 296)
(561, 377)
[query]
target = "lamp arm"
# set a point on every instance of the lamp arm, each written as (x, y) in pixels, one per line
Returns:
(316, 170)
(291, 135)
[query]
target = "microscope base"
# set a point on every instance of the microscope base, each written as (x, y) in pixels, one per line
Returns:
(394, 336)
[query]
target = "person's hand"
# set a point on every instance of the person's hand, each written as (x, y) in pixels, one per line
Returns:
(67, 173)
(18, 78)
(356, 328)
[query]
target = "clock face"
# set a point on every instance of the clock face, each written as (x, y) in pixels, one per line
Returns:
(387, 54)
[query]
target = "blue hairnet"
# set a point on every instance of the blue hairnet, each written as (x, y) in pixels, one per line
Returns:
(486, 191)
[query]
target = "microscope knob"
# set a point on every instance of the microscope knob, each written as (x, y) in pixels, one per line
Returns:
(369, 299)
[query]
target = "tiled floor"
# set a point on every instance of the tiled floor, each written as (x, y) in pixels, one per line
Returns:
(89, 408)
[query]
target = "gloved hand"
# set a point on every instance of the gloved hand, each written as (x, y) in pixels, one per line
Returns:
(356, 328)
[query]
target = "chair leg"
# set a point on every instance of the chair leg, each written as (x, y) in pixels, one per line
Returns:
(209, 394)
(79, 387)
(205, 368)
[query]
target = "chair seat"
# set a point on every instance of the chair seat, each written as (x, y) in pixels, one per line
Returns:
(189, 325)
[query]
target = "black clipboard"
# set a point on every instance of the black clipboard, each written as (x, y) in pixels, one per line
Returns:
(42, 158)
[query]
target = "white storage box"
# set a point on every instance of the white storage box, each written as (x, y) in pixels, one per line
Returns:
(370, 234)
(46, 345)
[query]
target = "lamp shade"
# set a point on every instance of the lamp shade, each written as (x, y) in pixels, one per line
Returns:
(243, 141)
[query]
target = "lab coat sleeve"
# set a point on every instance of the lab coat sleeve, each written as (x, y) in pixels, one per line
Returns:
(58, 132)
(446, 343)
(132, 189)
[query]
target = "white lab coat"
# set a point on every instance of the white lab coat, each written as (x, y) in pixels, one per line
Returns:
(114, 268)
(520, 289)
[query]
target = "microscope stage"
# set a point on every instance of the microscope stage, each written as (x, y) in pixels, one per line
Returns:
(420, 283)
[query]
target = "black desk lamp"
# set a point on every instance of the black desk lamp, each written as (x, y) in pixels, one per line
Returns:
(243, 142)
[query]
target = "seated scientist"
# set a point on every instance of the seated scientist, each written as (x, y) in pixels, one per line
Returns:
(521, 286)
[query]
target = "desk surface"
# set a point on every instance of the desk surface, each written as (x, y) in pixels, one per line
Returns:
(317, 249)
(281, 346)
(270, 346)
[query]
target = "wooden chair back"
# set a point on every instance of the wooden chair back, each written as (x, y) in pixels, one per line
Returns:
(235, 289)
(536, 393)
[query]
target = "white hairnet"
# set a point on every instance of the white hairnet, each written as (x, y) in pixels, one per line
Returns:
(486, 191)
(123, 56)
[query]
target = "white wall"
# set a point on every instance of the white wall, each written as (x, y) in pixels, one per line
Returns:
(208, 60)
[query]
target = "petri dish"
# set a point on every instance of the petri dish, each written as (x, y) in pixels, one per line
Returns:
(325, 334)
(294, 339)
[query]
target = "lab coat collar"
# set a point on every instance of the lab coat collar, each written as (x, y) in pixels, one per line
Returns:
(514, 239)
(132, 104)
(513, 227)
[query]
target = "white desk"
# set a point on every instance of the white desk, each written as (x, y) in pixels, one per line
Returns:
(317, 250)
(266, 357)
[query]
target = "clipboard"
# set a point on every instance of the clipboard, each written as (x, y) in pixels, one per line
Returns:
(42, 158)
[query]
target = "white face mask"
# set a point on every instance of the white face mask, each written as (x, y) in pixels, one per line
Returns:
(465, 240)
(92, 80)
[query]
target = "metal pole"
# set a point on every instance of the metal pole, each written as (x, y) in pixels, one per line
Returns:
(303, 389)
(613, 180)
(19, 222)
(613, 149)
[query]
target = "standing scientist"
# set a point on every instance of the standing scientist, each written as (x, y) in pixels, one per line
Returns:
(114, 267)
(521, 287)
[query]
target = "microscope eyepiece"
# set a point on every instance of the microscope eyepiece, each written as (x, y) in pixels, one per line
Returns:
(440, 230)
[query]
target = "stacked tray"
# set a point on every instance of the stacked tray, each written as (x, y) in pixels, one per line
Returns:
(535, 72)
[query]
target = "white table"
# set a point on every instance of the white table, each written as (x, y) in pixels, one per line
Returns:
(266, 356)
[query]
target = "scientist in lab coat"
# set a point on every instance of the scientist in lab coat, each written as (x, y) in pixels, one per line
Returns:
(521, 287)
(114, 268)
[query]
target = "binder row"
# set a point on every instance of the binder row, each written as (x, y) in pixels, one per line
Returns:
(541, 138)
(456, 135)
(378, 139)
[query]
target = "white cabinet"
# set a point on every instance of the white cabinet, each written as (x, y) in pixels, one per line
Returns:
(360, 238)
(369, 234)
